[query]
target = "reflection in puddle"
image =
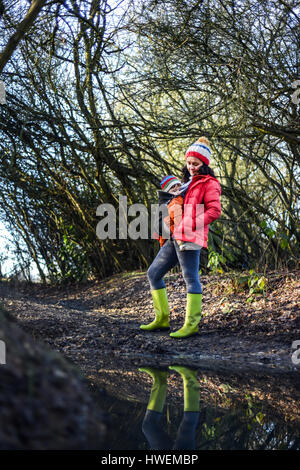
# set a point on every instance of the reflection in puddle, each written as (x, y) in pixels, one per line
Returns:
(180, 408)
(157, 438)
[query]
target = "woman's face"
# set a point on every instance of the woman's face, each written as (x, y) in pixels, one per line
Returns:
(193, 165)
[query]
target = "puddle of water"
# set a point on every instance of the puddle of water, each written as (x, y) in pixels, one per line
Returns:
(176, 408)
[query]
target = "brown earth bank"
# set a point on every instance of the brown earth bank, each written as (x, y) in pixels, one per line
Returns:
(87, 322)
(45, 403)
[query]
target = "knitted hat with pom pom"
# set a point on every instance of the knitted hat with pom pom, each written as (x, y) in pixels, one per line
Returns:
(200, 149)
(168, 182)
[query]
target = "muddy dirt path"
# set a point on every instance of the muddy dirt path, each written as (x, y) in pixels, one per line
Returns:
(102, 318)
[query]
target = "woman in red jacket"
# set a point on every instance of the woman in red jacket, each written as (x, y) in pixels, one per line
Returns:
(201, 207)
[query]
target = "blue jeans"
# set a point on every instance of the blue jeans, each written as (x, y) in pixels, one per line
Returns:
(168, 256)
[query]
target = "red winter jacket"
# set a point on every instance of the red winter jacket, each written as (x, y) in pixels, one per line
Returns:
(201, 207)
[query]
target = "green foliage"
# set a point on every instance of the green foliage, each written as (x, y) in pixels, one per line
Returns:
(253, 411)
(208, 432)
(252, 283)
(284, 241)
(215, 261)
(73, 263)
(257, 285)
(267, 230)
(281, 236)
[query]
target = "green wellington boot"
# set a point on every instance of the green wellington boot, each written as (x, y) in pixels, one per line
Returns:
(161, 308)
(186, 434)
(158, 392)
(192, 317)
(191, 387)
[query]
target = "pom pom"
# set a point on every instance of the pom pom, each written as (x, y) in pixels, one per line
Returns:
(204, 140)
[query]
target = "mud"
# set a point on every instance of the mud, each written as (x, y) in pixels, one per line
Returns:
(102, 318)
